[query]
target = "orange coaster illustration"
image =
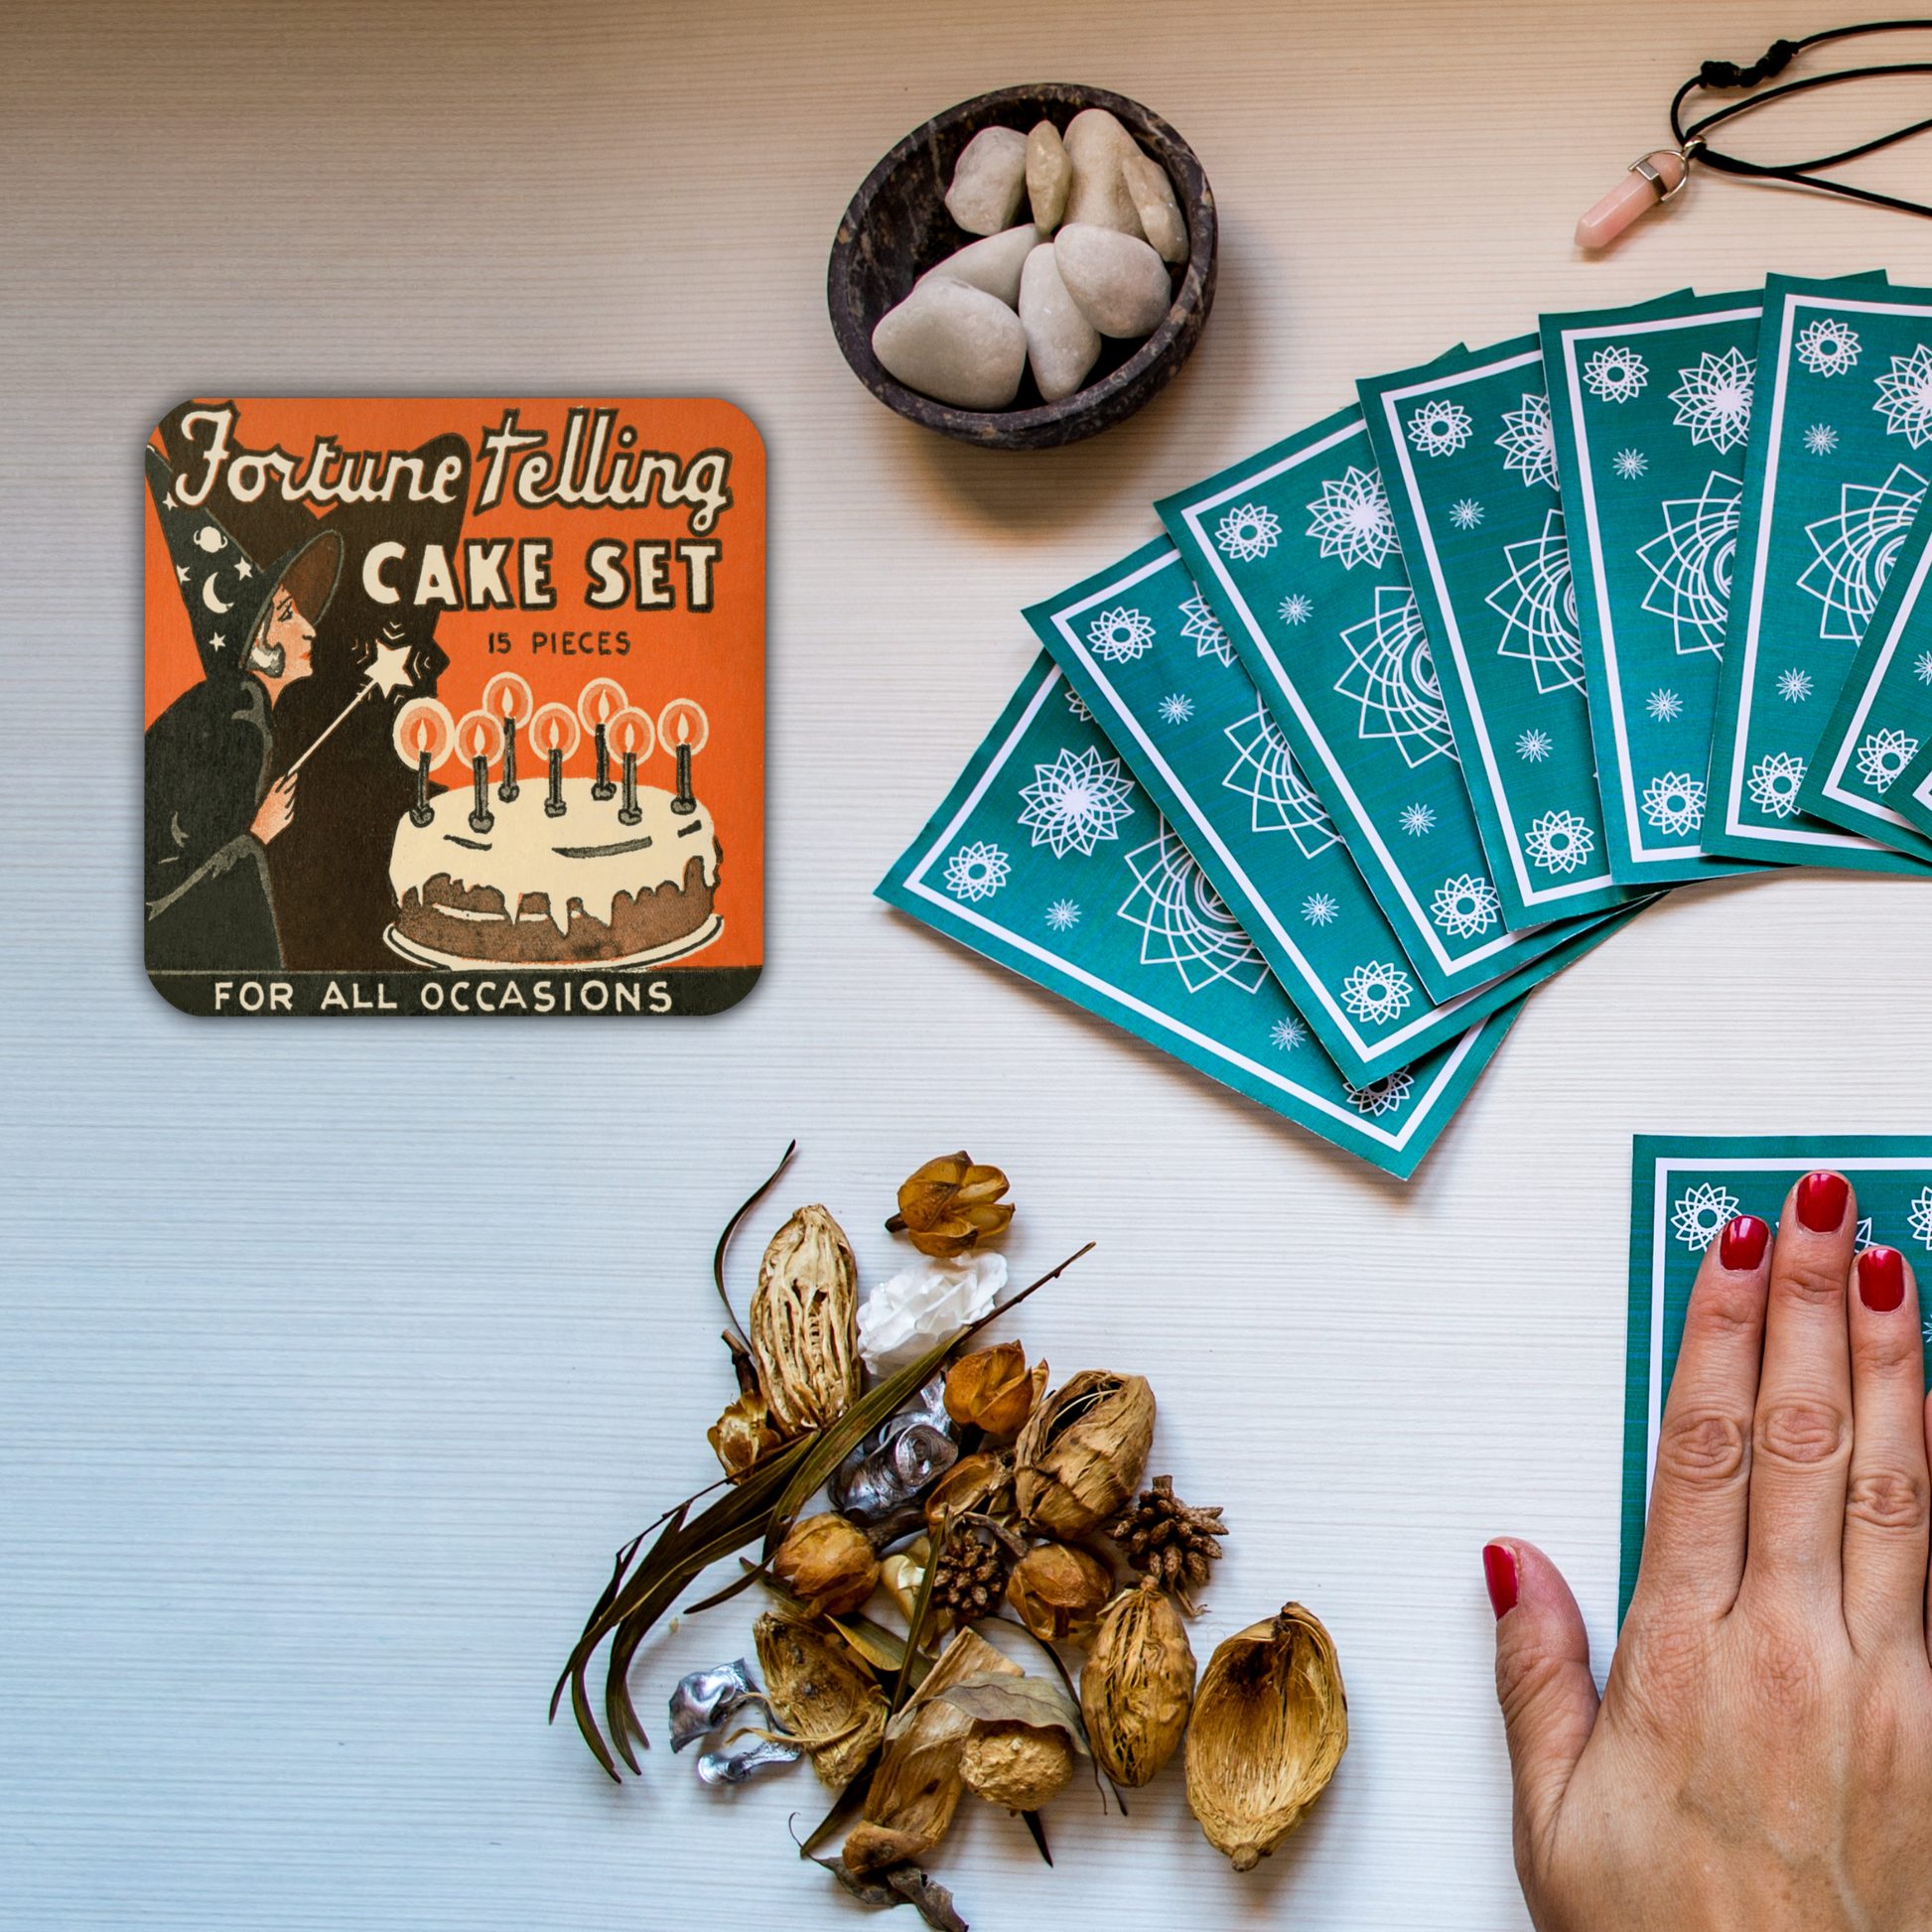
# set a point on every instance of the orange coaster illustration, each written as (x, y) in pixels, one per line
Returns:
(454, 706)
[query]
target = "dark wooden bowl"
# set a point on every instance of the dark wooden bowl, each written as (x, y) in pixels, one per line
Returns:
(898, 228)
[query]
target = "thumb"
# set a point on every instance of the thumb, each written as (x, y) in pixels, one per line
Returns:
(1542, 1683)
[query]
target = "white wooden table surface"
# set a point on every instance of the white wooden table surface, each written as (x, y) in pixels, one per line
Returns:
(334, 1361)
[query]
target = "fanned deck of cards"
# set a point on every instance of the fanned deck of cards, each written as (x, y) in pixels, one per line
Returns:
(1682, 1193)
(1412, 707)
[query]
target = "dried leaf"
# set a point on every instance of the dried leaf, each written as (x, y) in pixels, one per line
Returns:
(993, 1697)
(931, 1899)
(740, 1347)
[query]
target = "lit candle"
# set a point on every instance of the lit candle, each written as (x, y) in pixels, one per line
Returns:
(479, 819)
(554, 728)
(481, 734)
(598, 701)
(682, 723)
(508, 697)
(633, 731)
(424, 736)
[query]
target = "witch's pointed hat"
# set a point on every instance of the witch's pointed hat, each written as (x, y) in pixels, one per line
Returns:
(225, 590)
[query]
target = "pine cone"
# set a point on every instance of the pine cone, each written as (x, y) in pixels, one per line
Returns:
(970, 1577)
(1166, 1539)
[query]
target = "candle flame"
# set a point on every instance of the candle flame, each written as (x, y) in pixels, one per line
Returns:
(421, 734)
(604, 706)
(553, 733)
(630, 738)
(684, 728)
(477, 741)
(509, 701)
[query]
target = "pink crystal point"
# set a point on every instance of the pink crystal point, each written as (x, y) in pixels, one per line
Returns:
(1633, 195)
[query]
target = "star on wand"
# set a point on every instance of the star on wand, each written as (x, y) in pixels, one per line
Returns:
(388, 673)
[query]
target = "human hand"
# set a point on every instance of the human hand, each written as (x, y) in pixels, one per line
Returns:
(275, 812)
(1762, 1757)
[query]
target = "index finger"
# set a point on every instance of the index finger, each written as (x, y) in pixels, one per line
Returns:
(1695, 1540)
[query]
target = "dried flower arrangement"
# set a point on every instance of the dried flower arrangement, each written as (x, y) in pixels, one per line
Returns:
(965, 1493)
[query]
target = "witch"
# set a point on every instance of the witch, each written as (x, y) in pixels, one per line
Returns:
(212, 813)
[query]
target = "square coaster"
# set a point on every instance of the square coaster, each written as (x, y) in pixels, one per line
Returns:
(454, 706)
(1683, 1190)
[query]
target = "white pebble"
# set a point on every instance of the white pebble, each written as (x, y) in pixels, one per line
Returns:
(993, 265)
(988, 180)
(1062, 343)
(1096, 143)
(955, 344)
(1049, 174)
(1118, 282)
(1152, 195)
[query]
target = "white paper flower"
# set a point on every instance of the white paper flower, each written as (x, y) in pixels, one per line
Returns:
(929, 1303)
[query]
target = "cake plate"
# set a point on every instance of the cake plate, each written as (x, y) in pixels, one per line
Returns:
(420, 955)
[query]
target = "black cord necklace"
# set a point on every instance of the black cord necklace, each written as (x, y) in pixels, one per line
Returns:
(1660, 176)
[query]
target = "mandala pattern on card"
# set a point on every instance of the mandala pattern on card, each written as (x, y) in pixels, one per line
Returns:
(1919, 1215)
(1183, 922)
(1352, 522)
(1063, 916)
(1856, 549)
(1629, 463)
(1266, 774)
(1821, 439)
(1615, 374)
(1774, 783)
(1701, 1214)
(1439, 428)
(1377, 991)
(1689, 565)
(1175, 708)
(1078, 706)
(1320, 908)
(1713, 400)
(1120, 635)
(1465, 907)
(1465, 513)
(1883, 756)
(1794, 685)
(1296, 609)
(1905, 397)
(1418, 820)
(1538, 605)
(977, 871)
(1204, 627)
(1534, 747)
(1383, 1096)
(1076, 802)
(1392, 676)
(1559, 842)
(1529, 442)
(1828, 347)
(1249, 532)
(1674, 805)
(1664, 706)
(1287, 1033)
(1922, 667)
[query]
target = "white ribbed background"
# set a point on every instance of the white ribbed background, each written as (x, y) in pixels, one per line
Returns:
(334, 1360)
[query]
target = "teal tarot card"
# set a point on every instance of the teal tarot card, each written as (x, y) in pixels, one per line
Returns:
(1300, 576)
(1468, 454)
(1651, 481)
(1108, 910)
(1682, 1193)
(1195, 734)
(1842, 396)
(1861, 773)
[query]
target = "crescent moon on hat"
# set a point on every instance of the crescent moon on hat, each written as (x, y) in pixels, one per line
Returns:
(209, 598)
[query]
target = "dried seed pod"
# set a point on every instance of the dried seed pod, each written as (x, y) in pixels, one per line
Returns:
(1017, 1765)
(826, 1697)
(1137, 1684)
(1270, 1723)
(915, 1789)
(1082, 1452)
(980, 1484)
(829, 1562)
(742, 1436)
(992, 1390)
(804, 1315)
(950, 1204)
(1058, 1592)
(900, 1577)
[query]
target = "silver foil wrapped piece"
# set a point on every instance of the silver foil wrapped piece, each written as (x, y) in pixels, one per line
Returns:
(901, 1459)
(739, 1766)
(706, 1698)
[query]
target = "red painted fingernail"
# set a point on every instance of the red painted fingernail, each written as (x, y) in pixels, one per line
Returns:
(1742, 1244)
(1499, 1573)
(1821, 1201)
(1882, 1279)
